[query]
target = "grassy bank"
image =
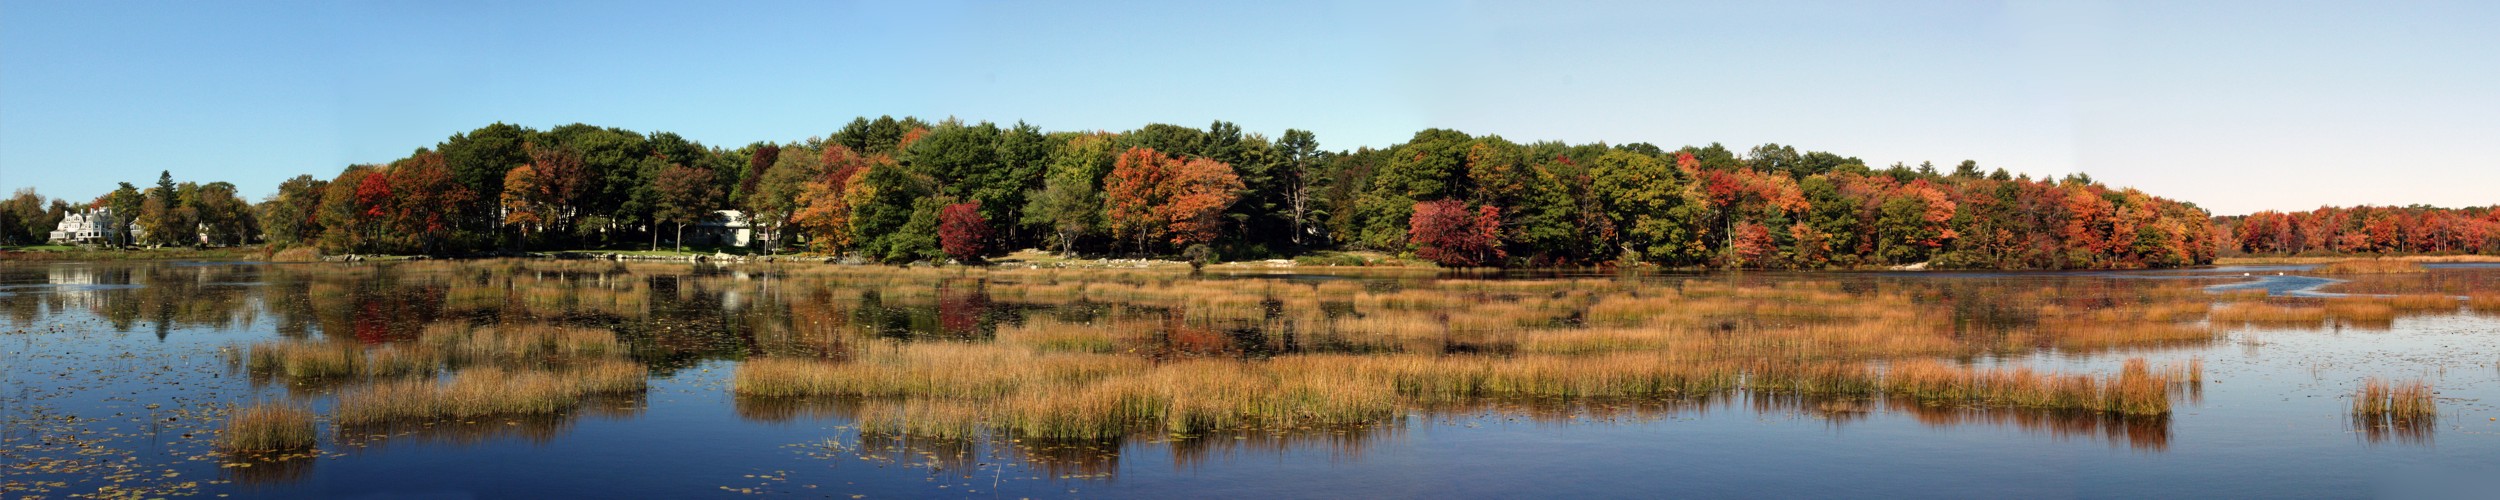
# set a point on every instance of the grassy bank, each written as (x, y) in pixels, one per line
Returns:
(70, 253)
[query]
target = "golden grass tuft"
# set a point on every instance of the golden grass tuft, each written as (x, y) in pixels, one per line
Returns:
(2255, 313)
(2383, 401)
(268, 427)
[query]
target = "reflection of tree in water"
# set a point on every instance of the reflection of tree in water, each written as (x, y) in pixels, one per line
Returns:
(166, 296)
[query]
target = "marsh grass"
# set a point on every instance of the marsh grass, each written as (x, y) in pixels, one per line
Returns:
(2422, 302)
(2484, 303)
(268, 428)
(1098, 354)
(2258, 313)
(517, 342)
(2242, 295)
(2368, 266)
(1152, 352)
(2362, 312)
(2402, 411)
(487, 391)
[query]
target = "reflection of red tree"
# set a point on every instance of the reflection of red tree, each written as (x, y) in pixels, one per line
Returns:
(960, 309)
(1194, 341)
(372, 325)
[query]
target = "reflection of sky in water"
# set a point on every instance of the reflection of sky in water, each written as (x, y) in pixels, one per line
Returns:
(2268, 421)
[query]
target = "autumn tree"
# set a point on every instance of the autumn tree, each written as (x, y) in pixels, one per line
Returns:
(523, 208)
(1152, 198)
(1447, 233)
(823, 210)
(686, 195)
(559, 179)
(963, 232)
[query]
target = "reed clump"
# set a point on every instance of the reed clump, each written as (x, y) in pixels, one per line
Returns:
(2368, 266)
(518, 342)
(2488, 303)
(2137, 389)
(2384, 401)
(2422, 302)
(488, 391)
(300, 361)
(2255, 313)
(268, 427)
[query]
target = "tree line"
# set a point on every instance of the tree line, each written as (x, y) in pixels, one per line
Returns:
(905, 190)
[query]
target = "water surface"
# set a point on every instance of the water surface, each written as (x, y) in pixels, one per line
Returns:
(116, 374)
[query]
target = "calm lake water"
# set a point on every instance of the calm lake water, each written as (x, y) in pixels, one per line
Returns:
(116, 375)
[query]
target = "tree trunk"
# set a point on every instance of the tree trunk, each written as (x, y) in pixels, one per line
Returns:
(681, 237)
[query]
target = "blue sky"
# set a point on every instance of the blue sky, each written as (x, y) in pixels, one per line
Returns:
(2238, 106)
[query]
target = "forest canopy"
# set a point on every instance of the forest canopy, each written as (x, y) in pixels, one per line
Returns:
(906, 190)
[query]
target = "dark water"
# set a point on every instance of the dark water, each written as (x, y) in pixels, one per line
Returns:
(115, 373)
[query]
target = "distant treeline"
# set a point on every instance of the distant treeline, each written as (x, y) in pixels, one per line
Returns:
(168, 214)
(2366, 229)
(907, 190)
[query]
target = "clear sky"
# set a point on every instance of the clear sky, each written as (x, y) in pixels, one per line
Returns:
(2238, 106)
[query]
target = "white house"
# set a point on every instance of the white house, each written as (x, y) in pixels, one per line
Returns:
(89, 227)
(724, 227)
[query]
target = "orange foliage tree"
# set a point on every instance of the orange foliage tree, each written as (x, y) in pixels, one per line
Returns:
(1149, 197)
